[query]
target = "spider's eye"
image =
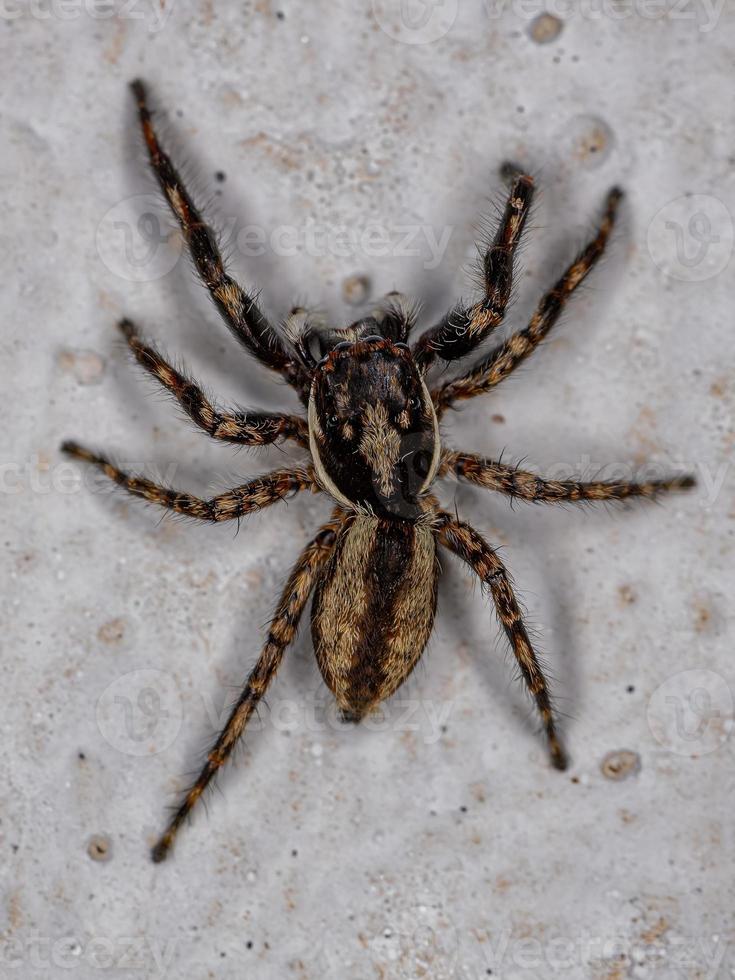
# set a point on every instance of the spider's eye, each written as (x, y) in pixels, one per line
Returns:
(399, 345)
(414, 402)
(332, 420)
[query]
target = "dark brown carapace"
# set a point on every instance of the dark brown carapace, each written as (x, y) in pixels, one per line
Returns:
(371, 429)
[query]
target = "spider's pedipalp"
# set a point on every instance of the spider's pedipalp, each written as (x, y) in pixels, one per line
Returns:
(282, 632)
(396, 316)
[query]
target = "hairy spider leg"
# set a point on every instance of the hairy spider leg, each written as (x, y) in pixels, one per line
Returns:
(239, 310)
(464, 541)
(502, 361)
(230, 505)
(464, 328)
(282, 631)
(519, 484)
(243, 428)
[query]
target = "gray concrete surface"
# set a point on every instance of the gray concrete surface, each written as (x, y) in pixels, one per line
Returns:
(436, 843)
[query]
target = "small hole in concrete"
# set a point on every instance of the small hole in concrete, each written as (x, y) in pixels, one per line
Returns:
(620, 764)
(99, 848)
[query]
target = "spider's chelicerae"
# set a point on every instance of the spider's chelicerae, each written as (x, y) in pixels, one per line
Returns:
(372, 434)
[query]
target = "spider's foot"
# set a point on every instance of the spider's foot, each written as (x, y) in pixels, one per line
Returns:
(688, 482)
(127, 328)
(350, 717)
(510, 170)
(160, 851)
(72, 448)
(559, 758)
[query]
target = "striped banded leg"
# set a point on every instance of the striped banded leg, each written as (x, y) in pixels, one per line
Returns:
(243, 428)
(505, 359)
(464, 328)
(527, 486)
(282, 631)
(467, 544)
(240, 311)
(230, 505)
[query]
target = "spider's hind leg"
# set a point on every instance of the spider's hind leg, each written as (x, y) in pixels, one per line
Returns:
(281, 634)
(466, 543)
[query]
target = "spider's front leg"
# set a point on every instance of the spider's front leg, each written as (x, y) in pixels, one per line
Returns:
(464, 328)
(240, 311)
(282, 631)
(505, 359)
(228, 506)
(520, 484)
(464, 541)
(241, 428)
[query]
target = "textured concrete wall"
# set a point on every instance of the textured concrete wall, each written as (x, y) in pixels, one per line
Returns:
(438, 842)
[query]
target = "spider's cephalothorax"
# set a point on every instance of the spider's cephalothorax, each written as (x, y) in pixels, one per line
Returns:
(371, 430)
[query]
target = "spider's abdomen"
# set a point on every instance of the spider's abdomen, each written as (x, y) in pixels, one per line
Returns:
(374, 609)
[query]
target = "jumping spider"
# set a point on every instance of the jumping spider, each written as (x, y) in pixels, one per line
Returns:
(372, 433)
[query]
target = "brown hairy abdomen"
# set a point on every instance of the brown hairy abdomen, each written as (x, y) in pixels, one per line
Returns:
(374, 609)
